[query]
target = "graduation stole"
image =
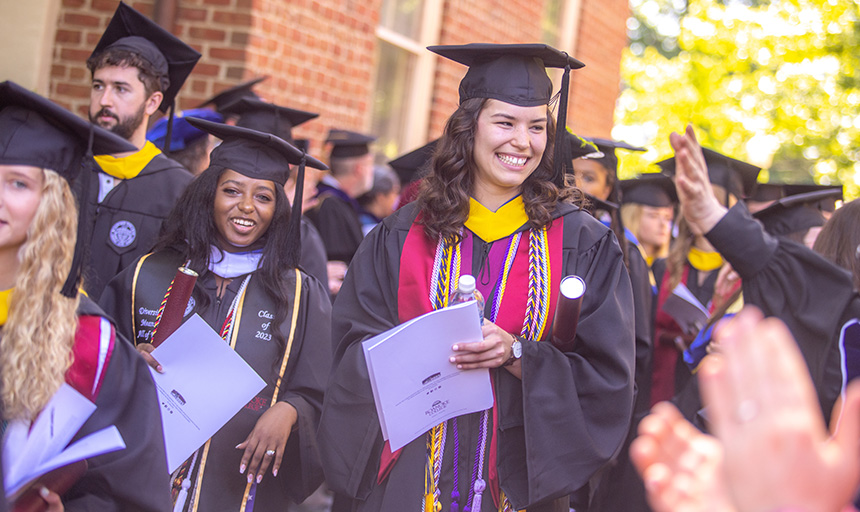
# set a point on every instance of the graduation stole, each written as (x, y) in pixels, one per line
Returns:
(522, 303)
(128, 167)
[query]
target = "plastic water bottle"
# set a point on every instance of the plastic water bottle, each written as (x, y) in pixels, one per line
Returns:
(467, 291)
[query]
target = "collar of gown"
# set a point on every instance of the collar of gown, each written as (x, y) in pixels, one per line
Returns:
(495, 225)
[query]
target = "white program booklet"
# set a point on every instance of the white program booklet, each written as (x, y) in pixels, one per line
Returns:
(415, 386)
(30, 451)
(204, 384)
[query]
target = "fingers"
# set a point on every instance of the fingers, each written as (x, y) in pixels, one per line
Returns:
(145, 349)
(847, 431)
(256, 458)
(55, 504)
(491, 352)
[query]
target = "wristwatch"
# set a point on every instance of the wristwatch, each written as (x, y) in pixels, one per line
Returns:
(516, 351)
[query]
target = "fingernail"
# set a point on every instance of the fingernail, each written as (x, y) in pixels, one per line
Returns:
(452, 359)
(259, 478)
(459, 366)
(241, 468)
(238, 445)
(275, 472)
(250, 478)
(455, 347)
(44, 492)
(159, 369)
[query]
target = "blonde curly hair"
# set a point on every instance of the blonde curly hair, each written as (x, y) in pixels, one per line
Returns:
(37, 339)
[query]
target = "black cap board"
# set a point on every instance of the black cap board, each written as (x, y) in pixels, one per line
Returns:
(36, 131)
(827, 203)
(764, 192)
(231, 94)
(608, 147)
(653, 189)
(796, 213)
(267, 117)
(580, 147)
(346, 144)
(736, 176)
(412, 165)
(252, 153)
(516, 74)
(131, 31)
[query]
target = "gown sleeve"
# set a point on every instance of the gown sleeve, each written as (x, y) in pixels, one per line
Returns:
(115, 300)
(814, 297)
(135, 478)
(350, 438)
(570, 413)
(309, 369)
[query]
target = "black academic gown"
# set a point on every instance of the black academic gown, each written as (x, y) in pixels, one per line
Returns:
(128, 220)
(133, 479)
(304, 380)
(313, 257)
(558, 426)
(814, 297)
(338, 224)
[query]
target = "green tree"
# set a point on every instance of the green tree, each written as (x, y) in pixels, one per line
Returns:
(774, 83)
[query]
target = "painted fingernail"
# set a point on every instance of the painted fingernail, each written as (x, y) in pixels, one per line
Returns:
(459, 366)
(259, 478)
(452, 359)
(238, 445)
(159, 369)
(275, 472)
(250, 477)
(44, 492)
(455, 347)
(241, 468)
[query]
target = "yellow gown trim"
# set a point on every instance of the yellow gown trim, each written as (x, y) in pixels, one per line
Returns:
(128, 167)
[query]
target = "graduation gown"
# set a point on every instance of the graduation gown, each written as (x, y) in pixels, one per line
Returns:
(313, 257)
(336, 219)
(128, 220)
(555, 428)
(221, 486)
(133, 479)
(814, 297)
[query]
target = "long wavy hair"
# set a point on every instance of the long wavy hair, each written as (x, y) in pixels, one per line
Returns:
(444, 196)
(39, 333)
(839, 240)
(190, 230)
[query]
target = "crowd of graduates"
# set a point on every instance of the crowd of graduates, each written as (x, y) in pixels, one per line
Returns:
(733, 300)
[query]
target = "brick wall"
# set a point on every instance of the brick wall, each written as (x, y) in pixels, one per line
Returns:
(320, 54)
(594, 89)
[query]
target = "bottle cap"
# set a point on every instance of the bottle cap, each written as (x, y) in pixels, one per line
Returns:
(466, 284)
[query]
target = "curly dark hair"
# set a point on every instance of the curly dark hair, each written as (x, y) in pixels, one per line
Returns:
(152, 80)
(444, 196)
(190, 230)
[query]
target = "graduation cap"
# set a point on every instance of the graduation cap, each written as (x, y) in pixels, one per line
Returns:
(796, 213)
(827, 203)
(262, 156)
(413, 164)
(231, 94)
(607, 147)
(580, 147)
(736, 176)
(347, 144)
(594, 204)
(516, 74)
(654, 189)
(37, 132)
(131, 31)
(183, 134)
(267, 117)
(765, 192)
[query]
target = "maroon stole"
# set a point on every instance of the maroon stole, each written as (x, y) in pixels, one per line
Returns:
(413, 299)
(94, 345)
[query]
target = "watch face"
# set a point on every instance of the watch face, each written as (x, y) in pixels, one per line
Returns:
(517, 349)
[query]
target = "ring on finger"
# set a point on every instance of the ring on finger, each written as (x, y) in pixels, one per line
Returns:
(270, 453)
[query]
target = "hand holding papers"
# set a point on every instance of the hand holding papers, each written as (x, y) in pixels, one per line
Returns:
(415, 387)
(204, 384)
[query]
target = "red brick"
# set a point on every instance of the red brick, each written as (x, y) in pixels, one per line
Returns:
(217, 2)
(79, 73)
(68, 36)
(73, 3)
(79, 91)
(240, 38)
(206, 69)
(84, 20)
(58, 71)
(103, 5)
(226, 54)
(72, 56)
(185, 13)
(207, 34)
(232, 18)
(236, 72)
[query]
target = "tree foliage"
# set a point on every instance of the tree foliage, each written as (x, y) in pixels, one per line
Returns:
(774, 83)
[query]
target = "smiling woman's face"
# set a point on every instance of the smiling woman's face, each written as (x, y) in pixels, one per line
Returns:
(20, 195)
(243, 211)
(509, 144)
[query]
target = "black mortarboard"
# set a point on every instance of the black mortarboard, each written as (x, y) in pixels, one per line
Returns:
(231, 94)
(796, 213)
(608, 147)
(652, 189)
(736, 176)
(413, 164)
(827, 203)
(183, 134)
(516, 74)
(129, 30)
(764, 192)
(255, 154)
(267, 117)
(345, 144)
(594, 204)
(263, 156)
(37, 132)
(580, 147)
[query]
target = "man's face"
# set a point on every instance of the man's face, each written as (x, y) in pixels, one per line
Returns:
(118, 100)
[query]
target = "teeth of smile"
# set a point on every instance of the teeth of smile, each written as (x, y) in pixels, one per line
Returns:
(244, 222)
(513, 160)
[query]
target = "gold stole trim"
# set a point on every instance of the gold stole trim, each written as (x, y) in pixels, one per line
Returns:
(134, 294)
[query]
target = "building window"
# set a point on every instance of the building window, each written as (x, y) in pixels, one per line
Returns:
(404, 74)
